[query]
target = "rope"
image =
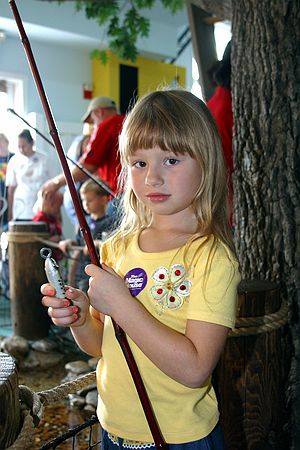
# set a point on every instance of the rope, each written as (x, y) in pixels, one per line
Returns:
(32, 407)
(23, 238)
(55, 245)
(59, 392)
(246, 326)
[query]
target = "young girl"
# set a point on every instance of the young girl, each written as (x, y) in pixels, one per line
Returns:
(169, 279)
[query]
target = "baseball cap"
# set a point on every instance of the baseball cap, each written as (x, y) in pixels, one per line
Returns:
(98, 102)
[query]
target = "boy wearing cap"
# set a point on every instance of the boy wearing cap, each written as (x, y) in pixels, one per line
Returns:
(101, 154)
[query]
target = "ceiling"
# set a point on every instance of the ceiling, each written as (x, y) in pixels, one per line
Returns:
(50, 22)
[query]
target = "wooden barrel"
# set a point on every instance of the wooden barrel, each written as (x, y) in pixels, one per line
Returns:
(9, 400)
(26, 274)
(251, 374)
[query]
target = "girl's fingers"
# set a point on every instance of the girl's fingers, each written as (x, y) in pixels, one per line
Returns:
(92, 270)
(65, 321)
(73, 294)
(47, 289)
(54, 302)
(60, 313)
(109, 269)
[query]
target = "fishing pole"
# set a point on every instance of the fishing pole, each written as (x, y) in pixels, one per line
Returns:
(83, 169)
(120, 335)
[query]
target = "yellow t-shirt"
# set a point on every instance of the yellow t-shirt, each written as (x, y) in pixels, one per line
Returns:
(173, 288)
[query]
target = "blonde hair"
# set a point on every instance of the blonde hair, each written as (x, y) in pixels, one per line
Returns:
(176, 120)
(91, 186)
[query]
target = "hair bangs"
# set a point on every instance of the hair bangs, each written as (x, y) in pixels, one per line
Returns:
(154, 125)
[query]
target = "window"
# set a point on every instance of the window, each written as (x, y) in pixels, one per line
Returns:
(11, 97)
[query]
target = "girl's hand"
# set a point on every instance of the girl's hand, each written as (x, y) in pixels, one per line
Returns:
(107, 291)
(66, 312)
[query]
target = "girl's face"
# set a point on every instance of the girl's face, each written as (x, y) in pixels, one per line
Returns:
(24, 147)
(166, 183)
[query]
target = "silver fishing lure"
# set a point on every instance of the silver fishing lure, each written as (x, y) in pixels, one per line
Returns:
(52, 272)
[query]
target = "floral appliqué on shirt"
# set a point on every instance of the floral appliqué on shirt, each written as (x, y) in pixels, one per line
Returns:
(170, 288)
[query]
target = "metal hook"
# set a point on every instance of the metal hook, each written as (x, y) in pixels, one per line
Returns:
(44, 254)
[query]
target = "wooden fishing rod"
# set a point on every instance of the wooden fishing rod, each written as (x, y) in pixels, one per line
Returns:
(86, 232)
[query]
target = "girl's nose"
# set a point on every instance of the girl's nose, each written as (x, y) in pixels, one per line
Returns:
(154, 178)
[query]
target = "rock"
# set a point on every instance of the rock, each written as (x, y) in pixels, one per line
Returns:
(92, 398)
(69, 377)
(16, 346)
(44, 345)
(83, 392)
(40, 360)
(92, 362)
(89, 409)
(76, 401)
(78, 367)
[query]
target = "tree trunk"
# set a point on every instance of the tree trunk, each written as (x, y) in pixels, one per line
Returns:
(221, 8)
(266, 105)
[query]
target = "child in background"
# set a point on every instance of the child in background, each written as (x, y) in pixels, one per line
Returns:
(94, 200)
(169, 278)
(48, 209)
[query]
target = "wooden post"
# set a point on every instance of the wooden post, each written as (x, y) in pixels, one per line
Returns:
(9, 400)
(249, 379)
(26, 274)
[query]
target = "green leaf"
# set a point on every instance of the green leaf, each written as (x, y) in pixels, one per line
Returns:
(144, 3)
(123, 30)
(144, 26)
(99, 54)
(114, 27)
(173, 5)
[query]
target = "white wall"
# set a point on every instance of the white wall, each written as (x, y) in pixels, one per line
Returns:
(63, 71)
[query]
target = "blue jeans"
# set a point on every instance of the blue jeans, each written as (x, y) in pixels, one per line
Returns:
(214, 441)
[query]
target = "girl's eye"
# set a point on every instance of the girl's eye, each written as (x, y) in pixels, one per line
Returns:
(139, 164)
(171, 161)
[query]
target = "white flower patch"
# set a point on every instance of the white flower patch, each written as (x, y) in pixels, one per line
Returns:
(170, 287)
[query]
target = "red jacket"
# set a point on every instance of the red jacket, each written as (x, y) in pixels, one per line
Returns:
(103, 150)
(220, 106)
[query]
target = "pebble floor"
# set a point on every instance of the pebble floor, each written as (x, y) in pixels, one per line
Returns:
(57, 417)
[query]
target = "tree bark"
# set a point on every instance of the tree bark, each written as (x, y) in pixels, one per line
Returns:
(221, 8)
(266, 105)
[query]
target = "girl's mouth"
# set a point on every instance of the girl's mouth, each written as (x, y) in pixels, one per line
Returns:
(157, 197)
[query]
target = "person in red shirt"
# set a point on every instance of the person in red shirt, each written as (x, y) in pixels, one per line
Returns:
(220, 105)
(101, 154)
